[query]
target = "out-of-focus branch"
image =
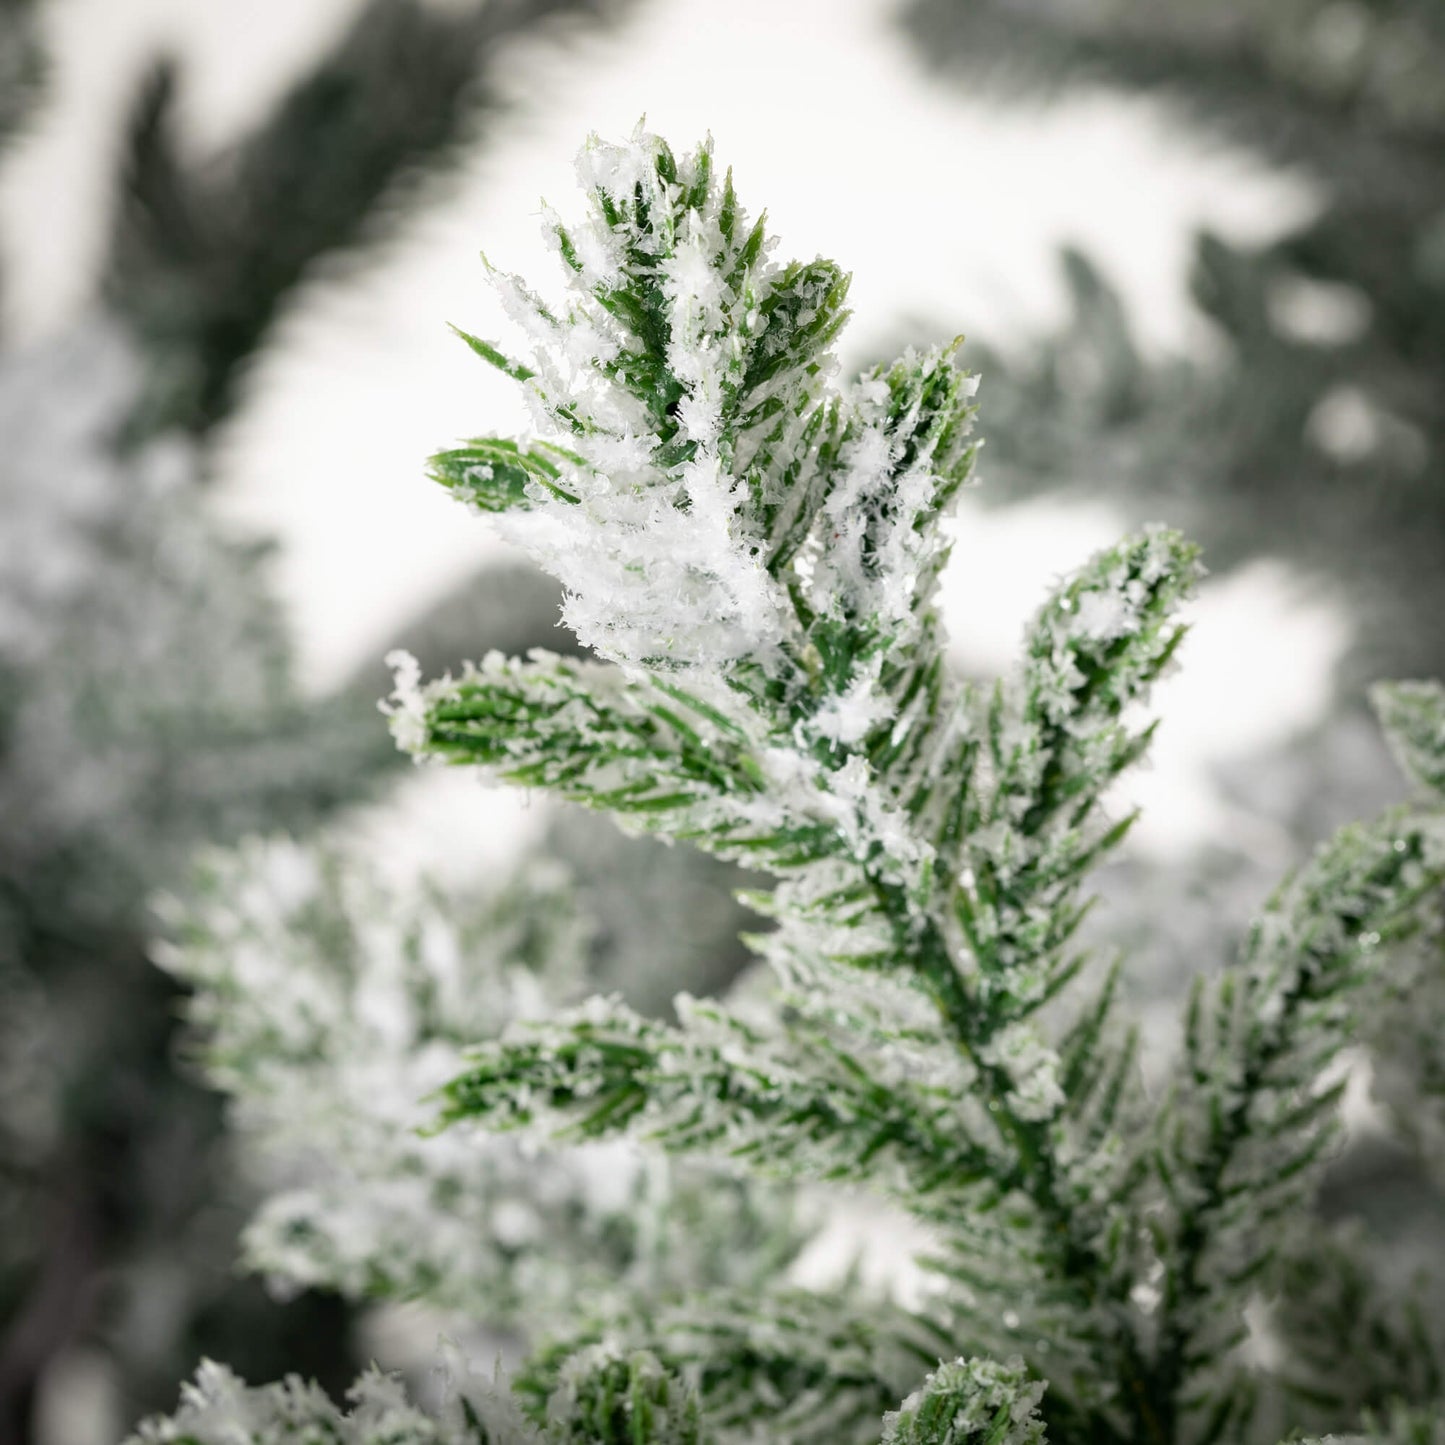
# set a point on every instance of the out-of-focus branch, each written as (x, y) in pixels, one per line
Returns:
(204, 252)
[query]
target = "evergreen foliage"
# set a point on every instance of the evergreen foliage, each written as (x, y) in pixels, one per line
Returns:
(147, 701)
(333, 1004)
(750, 548)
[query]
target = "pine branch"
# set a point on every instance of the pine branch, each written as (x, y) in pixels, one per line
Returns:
(329, 1007)
(790, 1366)
(600, 1399)
(794, 1105)
(814, 665)
(668, 762)
(1248, 1122)
(970, 1402)
(1265, 77)
(326, 1011)
(1026, 833)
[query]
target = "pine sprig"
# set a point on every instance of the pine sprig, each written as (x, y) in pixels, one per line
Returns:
(1249, 1119)
(329, 1007)
(333, 1004)
(1413, 717)
(970, 1402)
(1023, 828)
(809, 1367)
(591, 734)
(793, 1104)
(920, 831)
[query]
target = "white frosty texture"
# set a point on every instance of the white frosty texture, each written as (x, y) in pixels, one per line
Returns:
(333, 1008)
(696, 432)
(970, 1402)
(661, 560)
(219, 1408)
(723, 513)
(147, 680)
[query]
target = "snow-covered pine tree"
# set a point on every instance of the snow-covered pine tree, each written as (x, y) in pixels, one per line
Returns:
(750, 549)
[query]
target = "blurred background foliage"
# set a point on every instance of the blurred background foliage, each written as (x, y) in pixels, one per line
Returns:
(21, 65)
(1314, 430)
(148, 702)
(148, 697)
(203, 256)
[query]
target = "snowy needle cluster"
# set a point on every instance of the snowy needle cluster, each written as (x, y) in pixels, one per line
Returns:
(750, 548)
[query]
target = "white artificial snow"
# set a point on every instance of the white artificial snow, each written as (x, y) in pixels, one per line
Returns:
(350, 1008)
(407, 707)
(849, 718)
(1102, 616)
